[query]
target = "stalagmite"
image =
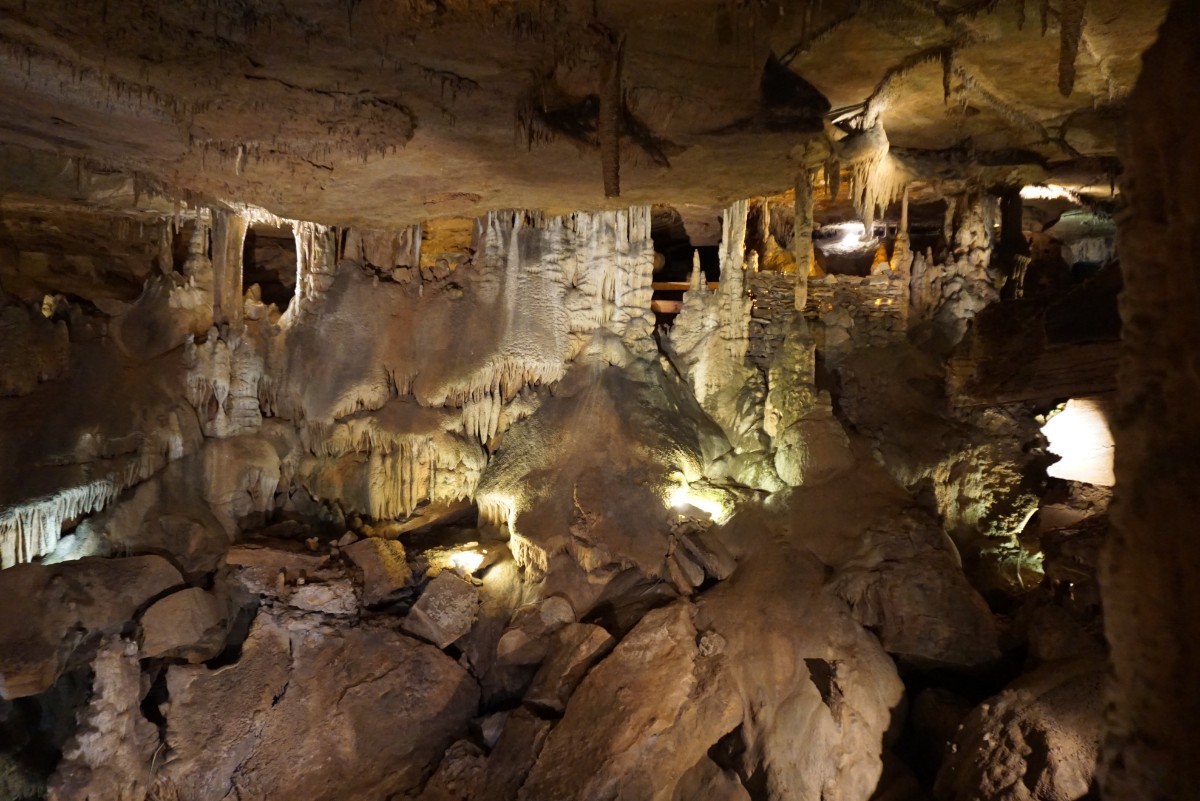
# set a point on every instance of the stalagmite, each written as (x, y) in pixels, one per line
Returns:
(902, 255)
(803, 242)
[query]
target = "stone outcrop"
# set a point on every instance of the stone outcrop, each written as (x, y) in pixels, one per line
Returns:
(315, 711)
(641, 718)
(54, 608)
(1036, 741)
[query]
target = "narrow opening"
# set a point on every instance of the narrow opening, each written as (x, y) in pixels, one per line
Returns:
(673, 253)
(269, 260)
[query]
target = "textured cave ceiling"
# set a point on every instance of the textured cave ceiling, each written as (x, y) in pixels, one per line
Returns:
(388, 112)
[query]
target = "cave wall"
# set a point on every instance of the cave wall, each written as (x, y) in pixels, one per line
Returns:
(1151, 606)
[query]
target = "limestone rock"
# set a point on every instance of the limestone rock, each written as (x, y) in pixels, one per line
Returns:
(527, 639)
(1036, 741)
(514, 754)
(706, 781)
(314, 711)
(445, 610)
(49, 608)
(383, 566)
(459, 776)
(188, 624)
(576, 648)
(333, 597)
(109, 757)
(639, 720)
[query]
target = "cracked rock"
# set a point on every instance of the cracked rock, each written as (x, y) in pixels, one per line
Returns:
(445, 611)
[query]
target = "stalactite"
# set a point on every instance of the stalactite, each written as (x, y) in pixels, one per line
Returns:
(947, 72)
(32, 530)
(875, 177)
(611, 110)
(1070, 32)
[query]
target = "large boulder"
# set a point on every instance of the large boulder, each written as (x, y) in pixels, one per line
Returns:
(190, 624)
(641, 718)
(314, 711)
(50, 609)
(1036, 741)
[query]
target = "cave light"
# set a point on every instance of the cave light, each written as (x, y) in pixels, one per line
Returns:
(852, 235)
(469, 559)
(1048, 192)
(684, 496)
(1081, 437)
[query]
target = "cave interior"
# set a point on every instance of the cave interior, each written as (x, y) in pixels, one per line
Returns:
(549, 400)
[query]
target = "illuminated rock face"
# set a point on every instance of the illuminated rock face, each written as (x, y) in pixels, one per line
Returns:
(671, 519)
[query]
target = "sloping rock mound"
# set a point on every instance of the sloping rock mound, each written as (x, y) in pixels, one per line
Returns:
(641, 718)
(315, 712)
(1036, 741)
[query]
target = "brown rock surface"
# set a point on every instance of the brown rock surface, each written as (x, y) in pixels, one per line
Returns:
(383, 566)
(50, 608)
(189, 624)
(575, 649)
(314, 711)
(1036, 741)
(640, 719)
(445, 611)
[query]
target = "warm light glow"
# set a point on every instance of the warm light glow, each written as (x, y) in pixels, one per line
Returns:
(852, 235)
(1080, 435)
(1049, 192)
(467, 561)
(684, 496)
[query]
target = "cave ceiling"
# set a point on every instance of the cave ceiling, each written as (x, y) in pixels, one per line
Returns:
(389, 112)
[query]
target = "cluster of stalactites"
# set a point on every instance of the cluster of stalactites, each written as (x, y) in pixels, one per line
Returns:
(416, 469)
(712, 332)
(32, 530)
(553, 284)
(316, 261)
(225, 380)
(876, 178)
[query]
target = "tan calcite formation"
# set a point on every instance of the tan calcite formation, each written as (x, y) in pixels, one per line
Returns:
(810, 445)
(112, 752)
